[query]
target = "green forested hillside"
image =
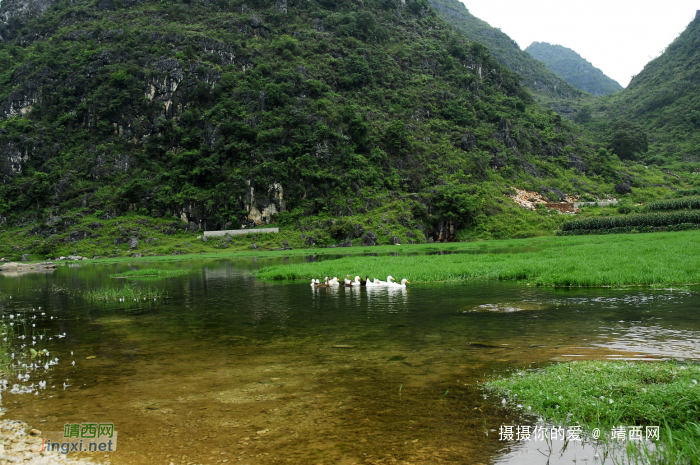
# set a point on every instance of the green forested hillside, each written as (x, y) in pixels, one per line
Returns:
(573, 68)
(230, 113)
(547, 88)
(664, 101)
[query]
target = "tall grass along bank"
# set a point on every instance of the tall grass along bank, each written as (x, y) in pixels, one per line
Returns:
(587, 261)
(604, 394)
(123, 294)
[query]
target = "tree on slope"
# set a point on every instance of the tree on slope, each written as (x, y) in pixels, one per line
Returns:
(628, 139)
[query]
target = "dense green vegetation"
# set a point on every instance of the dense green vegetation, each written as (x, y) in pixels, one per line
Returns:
(664, 102)
(685, 192)
(314, 116)
(605, 394)
(573, 68)
(588, 261)
(257, 112)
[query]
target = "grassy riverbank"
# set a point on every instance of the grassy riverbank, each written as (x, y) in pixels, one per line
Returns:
(604, 394)
(587, 261)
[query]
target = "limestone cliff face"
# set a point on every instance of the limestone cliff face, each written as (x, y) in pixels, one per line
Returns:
(14, 14)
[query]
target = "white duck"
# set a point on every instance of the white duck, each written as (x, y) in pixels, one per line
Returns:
(347, 281)
(313, 282)
(403, 283)
(334, 282)
(356, 282)
(379, 283)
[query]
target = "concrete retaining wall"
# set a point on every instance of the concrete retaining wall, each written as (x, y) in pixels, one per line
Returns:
(601, 203)
(241, 232)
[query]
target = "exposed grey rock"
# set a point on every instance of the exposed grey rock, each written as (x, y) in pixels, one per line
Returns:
(468, 142)
(395, 240)
(623, 189)
(192, 227)
(497, 162)
(358, 230)
(133, 242)
(253, 246)
(26, 257)
(204, 239)
(105, 5)
(369, 239)
(310, 240)
(577, 163)
(552, 193)
(54, 221)
(345, 244)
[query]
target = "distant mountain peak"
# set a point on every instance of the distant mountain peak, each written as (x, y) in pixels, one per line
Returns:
(573, 68)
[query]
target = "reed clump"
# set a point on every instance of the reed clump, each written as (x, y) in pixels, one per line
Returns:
(149, 273)
(123, 294)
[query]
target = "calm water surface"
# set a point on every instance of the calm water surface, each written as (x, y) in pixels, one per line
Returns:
(231, 368)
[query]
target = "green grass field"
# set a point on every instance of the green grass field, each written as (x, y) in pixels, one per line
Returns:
(585, 261)
(604, 394)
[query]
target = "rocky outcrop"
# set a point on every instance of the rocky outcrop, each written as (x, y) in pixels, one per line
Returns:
(12, 159)
(15, 13)
(263, 209)
(16, 266)
(623, 188)
(369, 239)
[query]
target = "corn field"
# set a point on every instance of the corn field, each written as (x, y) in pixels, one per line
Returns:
(654, 220)
(690, 203)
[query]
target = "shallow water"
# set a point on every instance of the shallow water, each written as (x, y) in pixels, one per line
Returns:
(231, 368)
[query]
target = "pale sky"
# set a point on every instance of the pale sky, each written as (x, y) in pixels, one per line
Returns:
(617, 36)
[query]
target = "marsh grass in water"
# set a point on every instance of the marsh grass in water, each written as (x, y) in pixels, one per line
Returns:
(585, 261)
(149, 273)
(605, 394)
(123, 294)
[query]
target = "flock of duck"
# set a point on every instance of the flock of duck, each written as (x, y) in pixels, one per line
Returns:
(359, 282)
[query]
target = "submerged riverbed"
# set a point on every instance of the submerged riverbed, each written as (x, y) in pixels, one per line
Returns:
(232, 368)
